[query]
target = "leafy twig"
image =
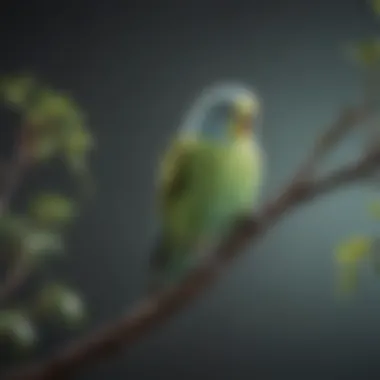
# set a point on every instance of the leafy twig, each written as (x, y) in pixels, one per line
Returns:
(152, 311)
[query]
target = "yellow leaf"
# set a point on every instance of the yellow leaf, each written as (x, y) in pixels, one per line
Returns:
(353, 249)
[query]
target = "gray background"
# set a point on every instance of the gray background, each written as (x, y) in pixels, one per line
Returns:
(135, 68)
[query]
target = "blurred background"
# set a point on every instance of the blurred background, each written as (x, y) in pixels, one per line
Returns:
(135, 68)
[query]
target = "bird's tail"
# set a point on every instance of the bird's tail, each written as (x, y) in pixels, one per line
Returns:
(168, 263)
(159, 259)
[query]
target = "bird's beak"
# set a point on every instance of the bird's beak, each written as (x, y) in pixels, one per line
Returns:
(243, 123)
(243, 117)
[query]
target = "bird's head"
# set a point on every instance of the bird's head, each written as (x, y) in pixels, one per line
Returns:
(244, 110)
(224, 112)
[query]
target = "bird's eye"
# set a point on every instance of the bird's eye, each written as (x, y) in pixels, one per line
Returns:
(215, 122)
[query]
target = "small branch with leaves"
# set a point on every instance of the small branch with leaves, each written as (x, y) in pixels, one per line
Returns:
(51, 127)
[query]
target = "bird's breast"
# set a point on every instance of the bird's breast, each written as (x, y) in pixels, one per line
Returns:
(236, 177)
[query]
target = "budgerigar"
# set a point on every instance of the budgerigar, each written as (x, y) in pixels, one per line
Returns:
(210, 174)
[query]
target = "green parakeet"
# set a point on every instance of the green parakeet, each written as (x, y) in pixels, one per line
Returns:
(210, 174)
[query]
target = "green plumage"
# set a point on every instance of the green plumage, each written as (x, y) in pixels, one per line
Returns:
(204, 185)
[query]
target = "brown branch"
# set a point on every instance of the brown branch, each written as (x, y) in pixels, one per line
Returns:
(334, 133)
(153, 311)
(14, 172)
(14, 278)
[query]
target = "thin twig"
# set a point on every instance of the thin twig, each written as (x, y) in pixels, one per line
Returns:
(17, 271)
(13, 175)
(14, 278)
(153, 311)
(334, 133)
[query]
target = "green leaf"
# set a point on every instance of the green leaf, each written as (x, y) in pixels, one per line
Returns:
(15, 90)
(16, 326)
(353, 249)
(367, 52)
(62, 304)
(20, 236)
(77, 141)
(12, 230)
(375, 5)
(54, 110)
(57, 124)
(76, 146)
(52, 209)
(38, 244)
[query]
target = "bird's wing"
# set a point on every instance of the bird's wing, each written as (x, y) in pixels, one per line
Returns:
(174, 171)
(173, 184)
